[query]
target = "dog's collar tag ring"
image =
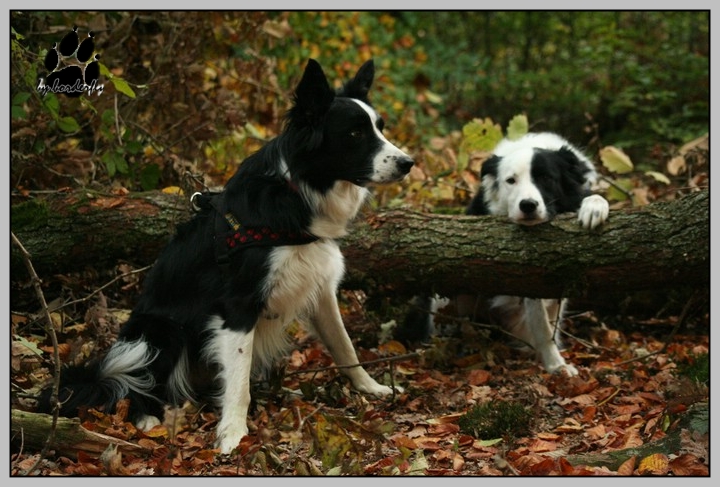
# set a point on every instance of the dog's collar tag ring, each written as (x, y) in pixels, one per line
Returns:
(193, 201)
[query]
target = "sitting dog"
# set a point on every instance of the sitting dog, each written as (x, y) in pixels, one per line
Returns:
(255, 257)
(529, 180)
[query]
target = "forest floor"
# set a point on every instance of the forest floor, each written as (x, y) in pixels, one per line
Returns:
(469, 407)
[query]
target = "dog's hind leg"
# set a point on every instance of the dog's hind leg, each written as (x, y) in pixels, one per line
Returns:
(328, 325)
(233, 351)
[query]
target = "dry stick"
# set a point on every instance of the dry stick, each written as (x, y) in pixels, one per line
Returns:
(359, 364)
(390, 360)
(104, 286)
(56, 354)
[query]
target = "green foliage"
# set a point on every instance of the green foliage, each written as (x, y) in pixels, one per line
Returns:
(120, 84)
(517, 127)
(495, 420)
(478, 135)
(697, 368)
(637, 81)
(17, 110)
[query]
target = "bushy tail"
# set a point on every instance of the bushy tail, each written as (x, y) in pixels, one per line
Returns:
(123, 373)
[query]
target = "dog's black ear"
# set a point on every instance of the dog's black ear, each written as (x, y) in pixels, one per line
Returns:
(490, 167)
(359, 86)
(313, 95)
(575, 169)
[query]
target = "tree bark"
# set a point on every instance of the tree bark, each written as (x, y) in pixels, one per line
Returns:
(659, 246)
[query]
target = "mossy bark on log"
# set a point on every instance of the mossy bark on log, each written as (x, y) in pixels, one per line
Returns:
(659, 246)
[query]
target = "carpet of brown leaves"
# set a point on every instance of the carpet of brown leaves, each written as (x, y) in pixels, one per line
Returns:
(625, 415)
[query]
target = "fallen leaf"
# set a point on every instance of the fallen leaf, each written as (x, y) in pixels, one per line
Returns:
(628, 466)
(478, 377)
(655, 464)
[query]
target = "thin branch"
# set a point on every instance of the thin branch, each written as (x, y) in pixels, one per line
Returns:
(104, 286)
(56, 353)
(392, 359)
(681, 320)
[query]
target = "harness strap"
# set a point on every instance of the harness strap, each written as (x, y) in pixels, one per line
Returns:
(231, 235)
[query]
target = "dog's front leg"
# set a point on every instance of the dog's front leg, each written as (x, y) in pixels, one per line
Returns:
(542, 332)
(328, 324)
(234, 355)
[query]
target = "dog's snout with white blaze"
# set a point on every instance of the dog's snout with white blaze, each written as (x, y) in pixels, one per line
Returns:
(521, 199)
(392, 166)
(390, 163)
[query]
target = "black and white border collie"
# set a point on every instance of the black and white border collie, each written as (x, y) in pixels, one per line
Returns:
(529, 180)
(255, 257)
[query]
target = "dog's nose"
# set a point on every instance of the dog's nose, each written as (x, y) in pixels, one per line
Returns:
(528, 206)
(404, 164)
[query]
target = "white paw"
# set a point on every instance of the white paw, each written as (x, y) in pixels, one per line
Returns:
(229, 436)
(563, 369)
(593, 212)
(378, 390)
(146, 423)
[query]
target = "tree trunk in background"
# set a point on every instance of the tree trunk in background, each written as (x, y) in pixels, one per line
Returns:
(658, 246)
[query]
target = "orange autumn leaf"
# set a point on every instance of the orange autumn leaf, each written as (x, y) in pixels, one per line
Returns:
(539, 446)
(628, 466)
(688, 465)
(404, 441)
(392, 347)
(458, 462)
(478, 377)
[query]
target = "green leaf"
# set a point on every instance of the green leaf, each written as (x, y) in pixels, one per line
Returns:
(115, 162)
(492, 442)
(122, 86)
(658, 176)
(419, 465)
(150, 177)
(29, 345)
(333, 443)
(615, 160)
(52, 104)
(481, 135)
(517, 127)
(478, 135)
(31, 76)
(615, 194)
(68, 124)
(109, 162)
(39, 146)
(16, 34)
(433, 98)
(20, 98)
(18, 112)
(133, 147)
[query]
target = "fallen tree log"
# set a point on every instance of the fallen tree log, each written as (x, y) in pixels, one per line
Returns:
(659, 246)
(30, 430)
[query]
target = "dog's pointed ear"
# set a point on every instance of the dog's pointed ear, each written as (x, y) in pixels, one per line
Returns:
(359, 86)
(313, 95)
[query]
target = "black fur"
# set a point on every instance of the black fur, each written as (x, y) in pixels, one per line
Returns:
(327, 138)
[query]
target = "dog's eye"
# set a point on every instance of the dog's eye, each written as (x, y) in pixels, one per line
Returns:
(356, 134)
(510, 180)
